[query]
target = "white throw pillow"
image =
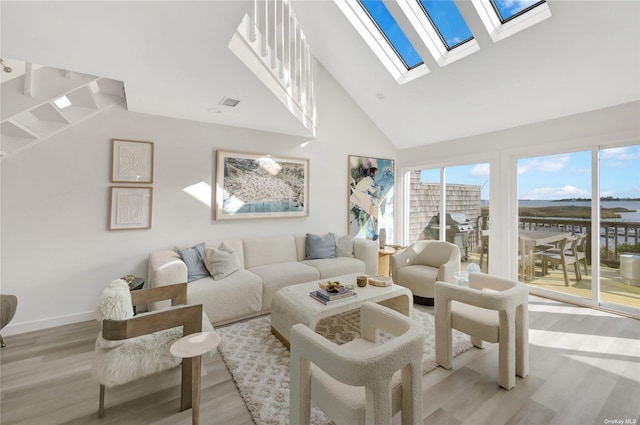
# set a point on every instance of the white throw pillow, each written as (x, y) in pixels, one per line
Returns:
(344, 245)
(221, 261)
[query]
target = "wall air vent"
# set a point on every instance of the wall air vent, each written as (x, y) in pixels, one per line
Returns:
(229, 102)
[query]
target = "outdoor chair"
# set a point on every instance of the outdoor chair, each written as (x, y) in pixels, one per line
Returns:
(362, 381)
(563, 256)
(491, 309)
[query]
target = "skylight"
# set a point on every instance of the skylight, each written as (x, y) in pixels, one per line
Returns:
(385, 36)
(447, 20)
(390, 29)
(503, 18)
(441, 28)
(509, 9)
(439, 25)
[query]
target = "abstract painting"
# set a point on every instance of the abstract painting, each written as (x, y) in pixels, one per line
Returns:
(370, 192)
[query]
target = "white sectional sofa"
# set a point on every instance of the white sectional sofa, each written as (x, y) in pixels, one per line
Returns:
(265, 265)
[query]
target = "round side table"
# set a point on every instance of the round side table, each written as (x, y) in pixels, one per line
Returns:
(194, 346)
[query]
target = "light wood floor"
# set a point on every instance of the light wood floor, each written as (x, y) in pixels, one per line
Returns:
(585, 369)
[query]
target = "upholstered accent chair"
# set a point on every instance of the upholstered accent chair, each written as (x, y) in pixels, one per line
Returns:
(421, 264)
(8, 306)
(491, 309)
(131, 347)
(362, 381)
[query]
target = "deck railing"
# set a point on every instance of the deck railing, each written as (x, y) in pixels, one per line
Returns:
(612, 233)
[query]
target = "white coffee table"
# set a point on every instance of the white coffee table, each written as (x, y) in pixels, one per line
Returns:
(292, 304)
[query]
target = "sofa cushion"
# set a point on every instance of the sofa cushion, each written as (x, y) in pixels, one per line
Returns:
(320, 246)
(221, 261)
(272, 250)
(337, 266)
(276, 276)
(194, 259)
(344, 245)
(237, 296)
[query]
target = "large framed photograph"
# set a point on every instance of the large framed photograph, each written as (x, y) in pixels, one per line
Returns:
(130, 208)
(132, 161)
(371, 182)
(260, 186)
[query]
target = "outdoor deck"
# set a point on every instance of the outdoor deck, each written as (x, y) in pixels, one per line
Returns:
(613, 289)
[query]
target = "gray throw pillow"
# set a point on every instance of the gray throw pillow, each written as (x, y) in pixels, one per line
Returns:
(221, 261)
(320, 246)
(344, 245)
(194, 259)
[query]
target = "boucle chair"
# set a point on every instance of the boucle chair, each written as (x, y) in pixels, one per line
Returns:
(129, 348)
(421, 264)
(491, 309)
(362, 381)
(8, 306)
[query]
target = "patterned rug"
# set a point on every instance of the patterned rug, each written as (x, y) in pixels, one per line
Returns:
(259, 363)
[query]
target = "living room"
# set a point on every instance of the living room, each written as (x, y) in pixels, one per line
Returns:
(57, 253)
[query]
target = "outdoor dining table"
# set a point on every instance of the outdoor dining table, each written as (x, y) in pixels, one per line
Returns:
(529, 240)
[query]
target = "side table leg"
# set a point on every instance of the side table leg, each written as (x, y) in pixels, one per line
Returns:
(195, 393)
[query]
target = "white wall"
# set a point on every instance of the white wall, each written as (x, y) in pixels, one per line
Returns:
(56, 250)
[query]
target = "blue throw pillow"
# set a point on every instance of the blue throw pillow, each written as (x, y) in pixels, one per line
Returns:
(194, 259)
(320, 246)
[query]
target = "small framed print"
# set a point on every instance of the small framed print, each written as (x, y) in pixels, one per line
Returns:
(132, 161)
(130, 208)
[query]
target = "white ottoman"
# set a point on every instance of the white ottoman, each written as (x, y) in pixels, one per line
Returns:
(630, 269)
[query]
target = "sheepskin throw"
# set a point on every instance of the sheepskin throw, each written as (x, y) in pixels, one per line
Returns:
(118, 362)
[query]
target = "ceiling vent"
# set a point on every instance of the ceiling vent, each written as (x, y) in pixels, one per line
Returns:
(229, 102)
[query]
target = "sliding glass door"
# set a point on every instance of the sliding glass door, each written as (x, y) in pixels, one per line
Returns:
(463, 219)
(620, 228)
(561, 240)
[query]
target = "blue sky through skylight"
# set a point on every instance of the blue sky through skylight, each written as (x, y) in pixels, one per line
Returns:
(448, 21)
(507, 9)
(392, 32)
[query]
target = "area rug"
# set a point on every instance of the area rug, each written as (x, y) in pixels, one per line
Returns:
(259, 362)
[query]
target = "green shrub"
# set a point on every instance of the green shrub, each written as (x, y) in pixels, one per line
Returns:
(627, 247)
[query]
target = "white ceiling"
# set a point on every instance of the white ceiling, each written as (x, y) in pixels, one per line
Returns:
(174, 61)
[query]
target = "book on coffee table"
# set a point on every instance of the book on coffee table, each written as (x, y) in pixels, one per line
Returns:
(315, 295)
(331, 296)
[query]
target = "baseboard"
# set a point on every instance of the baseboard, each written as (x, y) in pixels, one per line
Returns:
(36, 325)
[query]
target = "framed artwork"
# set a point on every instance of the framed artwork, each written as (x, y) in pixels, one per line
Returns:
(371, 182)
(132, 161)
(260, 186)
(130, 208)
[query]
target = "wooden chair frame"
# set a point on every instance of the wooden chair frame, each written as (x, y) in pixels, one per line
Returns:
(188, 316)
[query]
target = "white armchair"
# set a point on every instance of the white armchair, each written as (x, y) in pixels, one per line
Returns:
(361, 381)
(421, 264)
(491, 309)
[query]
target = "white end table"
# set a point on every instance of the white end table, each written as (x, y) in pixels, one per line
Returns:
(194, 346)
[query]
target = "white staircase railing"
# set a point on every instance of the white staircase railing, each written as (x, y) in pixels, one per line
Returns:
(274, 35)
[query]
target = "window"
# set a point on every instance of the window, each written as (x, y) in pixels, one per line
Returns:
(448, 22)
(382, 33)
(392, 32)
(503, 18)
(509, 9)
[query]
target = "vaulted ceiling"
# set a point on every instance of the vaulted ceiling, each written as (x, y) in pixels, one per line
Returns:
(174, 61)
